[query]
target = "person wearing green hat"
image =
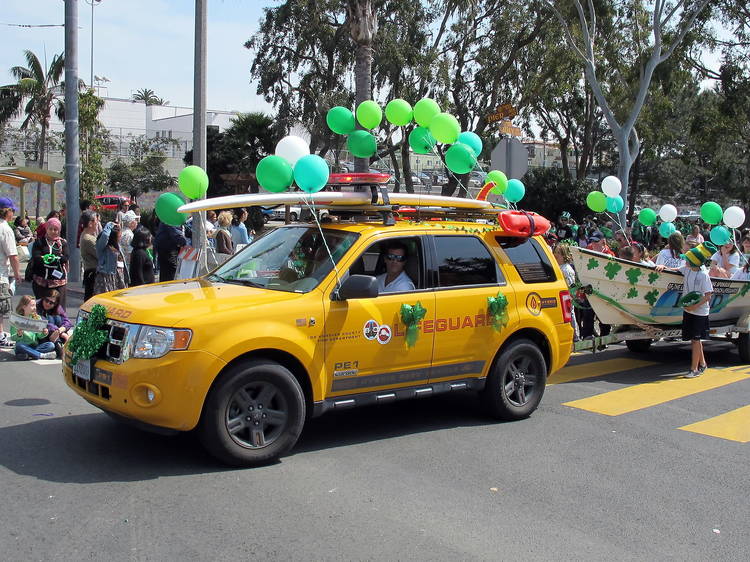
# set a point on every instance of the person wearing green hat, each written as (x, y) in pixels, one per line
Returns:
(697, 290)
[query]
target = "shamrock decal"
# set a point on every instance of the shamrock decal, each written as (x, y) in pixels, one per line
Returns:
(651, 297)
(612, 268)
(633, 274)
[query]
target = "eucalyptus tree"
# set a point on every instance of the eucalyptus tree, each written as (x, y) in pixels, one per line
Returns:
(37, 93)
(651, 33)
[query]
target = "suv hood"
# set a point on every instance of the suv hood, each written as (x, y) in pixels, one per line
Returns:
(167, 304)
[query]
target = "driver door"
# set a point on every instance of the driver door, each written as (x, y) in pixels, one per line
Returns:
(365, 343)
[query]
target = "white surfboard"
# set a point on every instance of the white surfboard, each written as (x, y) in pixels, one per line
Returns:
(333, 199)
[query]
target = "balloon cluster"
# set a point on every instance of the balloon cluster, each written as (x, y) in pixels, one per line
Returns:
(290, 163)
(711, 213)
(193, 183)
(733, 217)
(608, 199)
(433, 126)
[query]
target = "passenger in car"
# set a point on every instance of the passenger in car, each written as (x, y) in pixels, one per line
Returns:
(395, 278)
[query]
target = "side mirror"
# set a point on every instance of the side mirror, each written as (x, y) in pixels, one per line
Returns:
(357, 287)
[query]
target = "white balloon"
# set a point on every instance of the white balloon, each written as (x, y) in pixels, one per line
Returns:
(611, 186)
(734, 217)
(668, 213)
(291, 149)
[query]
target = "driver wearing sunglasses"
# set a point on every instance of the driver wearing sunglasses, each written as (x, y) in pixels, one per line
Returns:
(395, 278)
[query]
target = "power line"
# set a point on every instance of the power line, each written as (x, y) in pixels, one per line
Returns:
(33, 25)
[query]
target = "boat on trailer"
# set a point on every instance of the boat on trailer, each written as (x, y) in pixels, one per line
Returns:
(626, 292)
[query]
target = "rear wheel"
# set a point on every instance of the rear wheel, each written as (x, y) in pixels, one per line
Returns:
(254, 415)
(515, 386)
(293, 217)
(639, 346)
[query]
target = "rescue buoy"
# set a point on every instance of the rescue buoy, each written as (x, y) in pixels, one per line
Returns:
(522, 223)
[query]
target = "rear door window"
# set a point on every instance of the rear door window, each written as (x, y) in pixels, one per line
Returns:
(529, 259)
(464, 260)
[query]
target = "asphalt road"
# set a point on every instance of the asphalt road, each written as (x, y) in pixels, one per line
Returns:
(428, 479)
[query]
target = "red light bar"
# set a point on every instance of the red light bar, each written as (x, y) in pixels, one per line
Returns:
(355, 179)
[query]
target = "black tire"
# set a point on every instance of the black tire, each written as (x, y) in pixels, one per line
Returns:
(265, 219)
(639, 346)
(515, 385)
(293, 217)
(235, 428)
(743, 346)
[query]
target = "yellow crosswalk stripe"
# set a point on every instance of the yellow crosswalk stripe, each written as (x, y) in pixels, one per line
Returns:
(638, 397)
(733, 426)
(596, 369)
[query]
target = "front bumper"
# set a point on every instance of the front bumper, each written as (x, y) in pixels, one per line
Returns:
(168, 392)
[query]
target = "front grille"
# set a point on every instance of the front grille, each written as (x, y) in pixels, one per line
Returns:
(91, 387)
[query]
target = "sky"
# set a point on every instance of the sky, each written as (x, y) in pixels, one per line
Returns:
(144, 44)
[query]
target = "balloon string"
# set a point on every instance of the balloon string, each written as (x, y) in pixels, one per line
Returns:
(624, 232)
(323, 237)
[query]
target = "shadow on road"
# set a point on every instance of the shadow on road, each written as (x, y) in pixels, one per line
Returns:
(92, 448)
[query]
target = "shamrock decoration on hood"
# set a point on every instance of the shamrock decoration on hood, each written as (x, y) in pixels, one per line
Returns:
(88, 337)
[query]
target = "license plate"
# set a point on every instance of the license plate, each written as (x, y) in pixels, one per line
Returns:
(82, 369)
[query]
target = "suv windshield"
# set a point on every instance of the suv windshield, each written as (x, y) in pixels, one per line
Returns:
(287, 259)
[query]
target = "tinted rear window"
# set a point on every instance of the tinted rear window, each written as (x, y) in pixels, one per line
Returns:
(464, 260)
(529, 259)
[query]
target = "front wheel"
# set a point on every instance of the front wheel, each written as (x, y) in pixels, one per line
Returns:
(515, 386)
(254, 415)
(293, 217)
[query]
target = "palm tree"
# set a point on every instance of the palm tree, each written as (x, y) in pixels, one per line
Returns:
(363, 25)
(42, 92)
(149, 96)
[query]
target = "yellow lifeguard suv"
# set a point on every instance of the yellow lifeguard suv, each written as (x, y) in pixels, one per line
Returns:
(380, 303)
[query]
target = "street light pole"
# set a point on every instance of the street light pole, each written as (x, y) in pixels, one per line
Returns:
(72, 156)
(199, 125)
(93, 3)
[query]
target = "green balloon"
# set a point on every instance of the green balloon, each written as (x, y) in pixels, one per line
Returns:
(472, 139)
(596, 201)
(445, 128)
(340, 120)
(361, 144)
(460, 158)
(647, 217)
(424, 111)
(166, 209)
(711, 212)
(369, 114)
(193, 182)
(399, 112)
(421, 140)
(499, 179)
(515, 192)
(274, 174)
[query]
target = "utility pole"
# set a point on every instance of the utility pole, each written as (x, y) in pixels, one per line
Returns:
(199, 126)
(72, 156)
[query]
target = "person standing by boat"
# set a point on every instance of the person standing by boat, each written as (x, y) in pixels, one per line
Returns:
(697, 291)
(671, 255)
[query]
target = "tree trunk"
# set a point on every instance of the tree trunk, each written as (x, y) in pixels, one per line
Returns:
(363, 25)
(406, 165)
(42, 149)
(564, 143)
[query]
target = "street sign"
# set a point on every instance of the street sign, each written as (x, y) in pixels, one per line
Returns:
(510, 157)
(505, 111)
(507, 128)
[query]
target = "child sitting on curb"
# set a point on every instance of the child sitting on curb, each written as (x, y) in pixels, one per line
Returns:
(29, 344)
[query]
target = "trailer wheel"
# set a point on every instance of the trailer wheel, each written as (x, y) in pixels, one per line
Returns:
(639, 346)
(743, 346)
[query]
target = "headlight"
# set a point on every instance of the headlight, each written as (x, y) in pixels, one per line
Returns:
(153, 341)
